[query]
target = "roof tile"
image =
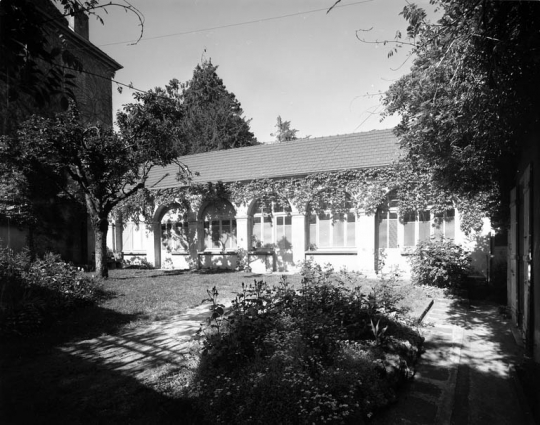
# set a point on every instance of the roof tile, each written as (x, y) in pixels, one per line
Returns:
(295, 158)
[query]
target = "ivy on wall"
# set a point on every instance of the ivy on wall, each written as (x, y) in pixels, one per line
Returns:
(364, 190)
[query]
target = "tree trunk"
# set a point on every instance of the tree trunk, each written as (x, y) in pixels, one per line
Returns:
(100, 234)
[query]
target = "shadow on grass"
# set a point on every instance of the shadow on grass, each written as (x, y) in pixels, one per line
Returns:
(78, 372)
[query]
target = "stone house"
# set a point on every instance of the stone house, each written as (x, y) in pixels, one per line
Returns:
(275, 237)
(69, 232)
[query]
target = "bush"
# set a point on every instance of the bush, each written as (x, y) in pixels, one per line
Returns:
(314, 355)
(34, 292)
(440, 263)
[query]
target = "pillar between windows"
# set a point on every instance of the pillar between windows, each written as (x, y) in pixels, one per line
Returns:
(298, 221)
(365, 242)
(193, 232)
(242, 232)
(153, 253)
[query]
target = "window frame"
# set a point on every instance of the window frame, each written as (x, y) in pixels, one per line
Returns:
(314, 219)
(207, 240)
(424, 225)
(260, 216)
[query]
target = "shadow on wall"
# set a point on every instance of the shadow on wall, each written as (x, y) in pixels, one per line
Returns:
(227, 261)
(480, 253)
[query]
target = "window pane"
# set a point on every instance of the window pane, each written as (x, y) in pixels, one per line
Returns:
(351, 230)
(339, 232)
(215, 234)
(450, 229)
(383, 233)
(325, 231)
(450, 225)
(280, 228)
(392, 232)
(424, 226)
(409, 235)
(288, 229)
(267, 230)
(312, 230)
(256, 233)
(438, 226)
(225, 235)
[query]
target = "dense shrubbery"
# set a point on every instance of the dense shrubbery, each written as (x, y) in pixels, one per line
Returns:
(33, 292)
(440, 263)
(330, 352)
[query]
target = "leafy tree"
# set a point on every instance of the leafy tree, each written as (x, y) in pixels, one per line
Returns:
(284, 131)
(37, 77)
(213, 118)
(94, 165)
(471, 96)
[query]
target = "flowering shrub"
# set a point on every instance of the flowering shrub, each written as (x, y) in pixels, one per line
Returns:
(440, 263)
(303, 356)
(32, 292)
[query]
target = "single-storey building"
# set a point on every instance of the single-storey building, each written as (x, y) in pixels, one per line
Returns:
(276, 236)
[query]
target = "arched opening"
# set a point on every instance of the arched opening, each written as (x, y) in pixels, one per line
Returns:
(174, 232)
(271, 234)
(219, 226)
(175, 238)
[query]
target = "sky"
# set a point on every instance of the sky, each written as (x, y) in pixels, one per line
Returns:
(279, 57)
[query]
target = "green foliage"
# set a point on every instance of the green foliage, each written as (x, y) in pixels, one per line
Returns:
(284, 131)
(35, 292)
(214, 117)
(336, 191)
(307, 355)
(93, 165)
(440, 263)
(243, 261)
(470, 98)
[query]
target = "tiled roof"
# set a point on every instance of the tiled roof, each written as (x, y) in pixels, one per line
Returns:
(295, 158)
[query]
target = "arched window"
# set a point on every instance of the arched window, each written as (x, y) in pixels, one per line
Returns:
(332, 231)
(219, 226)
(272, 225)
(174, 232)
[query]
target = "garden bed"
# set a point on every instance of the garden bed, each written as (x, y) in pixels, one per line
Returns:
(48, 386)
(332, 350)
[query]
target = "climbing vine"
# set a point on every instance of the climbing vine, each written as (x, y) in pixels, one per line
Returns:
(364, 190)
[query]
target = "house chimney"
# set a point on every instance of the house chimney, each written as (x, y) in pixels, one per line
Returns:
(81, 25)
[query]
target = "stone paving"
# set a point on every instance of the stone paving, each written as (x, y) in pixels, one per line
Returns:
(135, 352)
(464, 376)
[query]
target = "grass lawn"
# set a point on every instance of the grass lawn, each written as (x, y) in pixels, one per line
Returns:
(158, 294)
(41, 384)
